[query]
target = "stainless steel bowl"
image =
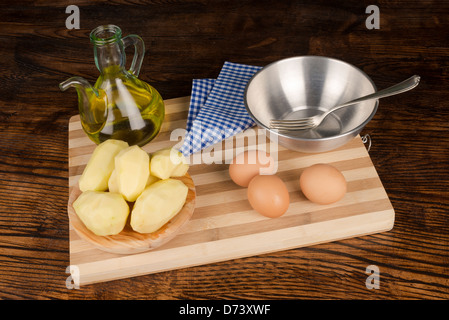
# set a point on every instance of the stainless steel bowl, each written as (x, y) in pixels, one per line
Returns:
(305, 86)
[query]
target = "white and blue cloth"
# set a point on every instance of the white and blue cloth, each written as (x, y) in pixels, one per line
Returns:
(217, 109)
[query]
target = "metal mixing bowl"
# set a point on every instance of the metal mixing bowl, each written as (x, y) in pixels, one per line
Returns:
(304, 86)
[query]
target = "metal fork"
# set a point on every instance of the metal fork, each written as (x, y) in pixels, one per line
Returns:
(312, 122)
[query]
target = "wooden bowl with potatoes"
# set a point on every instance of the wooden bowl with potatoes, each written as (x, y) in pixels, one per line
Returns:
(127, 201)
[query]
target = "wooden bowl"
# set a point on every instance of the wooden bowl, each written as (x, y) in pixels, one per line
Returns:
(129, 241)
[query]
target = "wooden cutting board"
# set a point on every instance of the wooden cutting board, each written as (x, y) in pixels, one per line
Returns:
(223, 225)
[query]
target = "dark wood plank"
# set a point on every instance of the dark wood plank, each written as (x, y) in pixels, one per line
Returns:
(192, 39)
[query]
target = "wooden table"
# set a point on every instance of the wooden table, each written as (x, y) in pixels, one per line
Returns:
(186, 40)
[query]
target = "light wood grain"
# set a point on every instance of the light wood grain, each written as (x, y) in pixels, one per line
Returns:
(223, 225)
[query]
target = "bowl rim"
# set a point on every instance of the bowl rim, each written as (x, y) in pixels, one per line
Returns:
(350, 132)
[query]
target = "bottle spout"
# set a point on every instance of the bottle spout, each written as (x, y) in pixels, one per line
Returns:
(79, 83)
(92, 108)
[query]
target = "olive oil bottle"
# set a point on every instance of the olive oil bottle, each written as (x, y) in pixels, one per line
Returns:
(119, 105)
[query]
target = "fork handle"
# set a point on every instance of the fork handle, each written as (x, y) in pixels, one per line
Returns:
(401, 87)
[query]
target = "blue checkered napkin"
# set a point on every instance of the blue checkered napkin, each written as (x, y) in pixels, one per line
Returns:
(200, 90)
(223, 114)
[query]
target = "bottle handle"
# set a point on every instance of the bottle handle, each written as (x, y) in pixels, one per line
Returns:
(139, 52)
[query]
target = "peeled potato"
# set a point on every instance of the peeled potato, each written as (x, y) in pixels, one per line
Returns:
(103, 213)
(113, 185)
(151, 180)
(112, 182)
(169, 162)
(157, 204)
(180, 170)
(99, 168)
(132, 166)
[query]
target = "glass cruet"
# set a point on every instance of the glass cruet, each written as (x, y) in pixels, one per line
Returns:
(119, 105)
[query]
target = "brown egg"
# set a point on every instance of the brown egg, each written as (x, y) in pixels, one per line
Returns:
(322, 183)
(268, 195)
(249, 164)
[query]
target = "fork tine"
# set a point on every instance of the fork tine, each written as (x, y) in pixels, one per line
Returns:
(291, 120)
(291, 125)
(292, 128)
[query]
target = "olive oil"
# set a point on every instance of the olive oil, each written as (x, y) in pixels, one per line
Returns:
(119, 105)
(125, 109)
